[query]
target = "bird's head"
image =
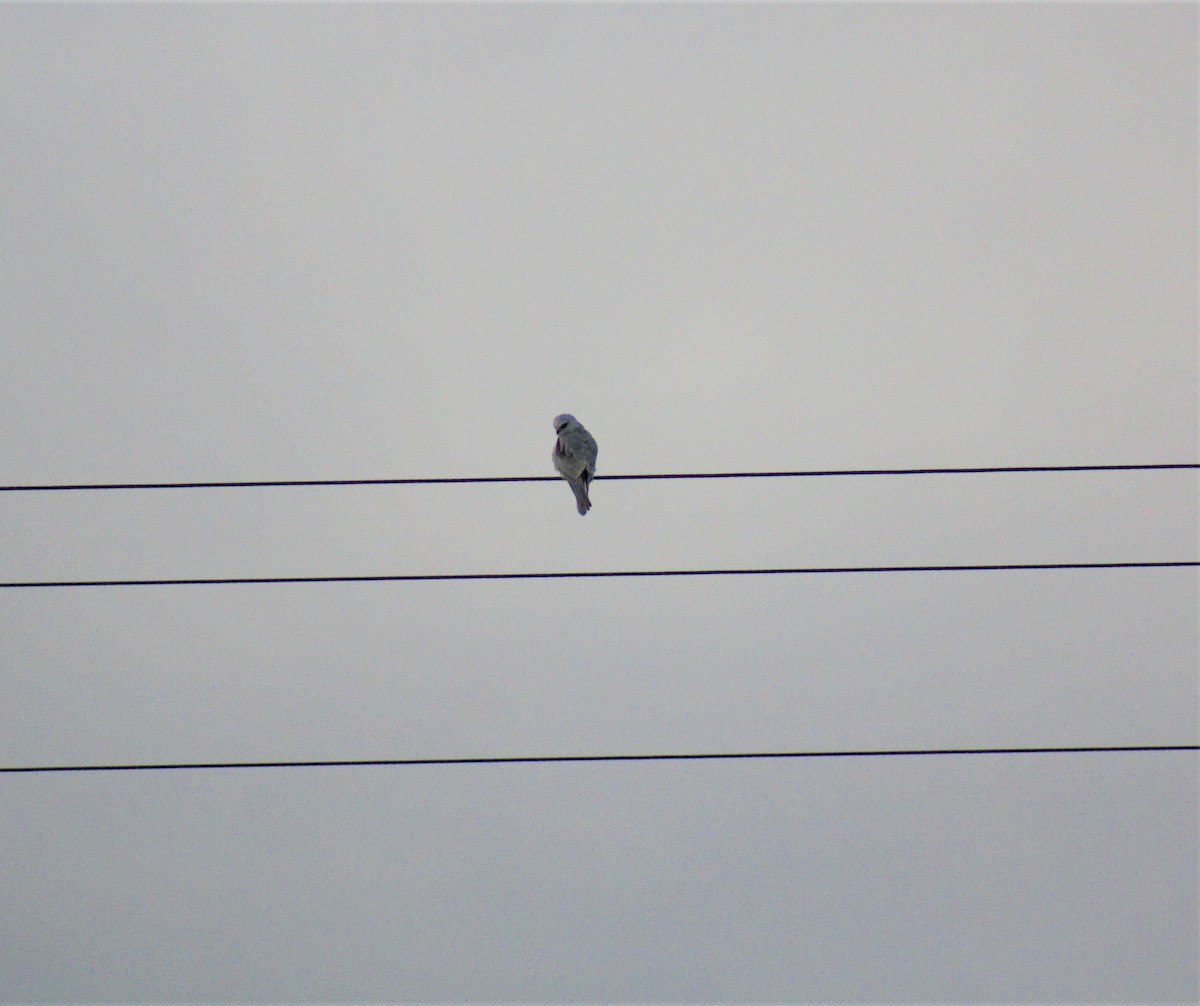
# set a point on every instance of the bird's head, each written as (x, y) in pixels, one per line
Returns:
(563, 421)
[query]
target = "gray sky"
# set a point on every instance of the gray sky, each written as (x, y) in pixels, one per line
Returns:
(369, 241)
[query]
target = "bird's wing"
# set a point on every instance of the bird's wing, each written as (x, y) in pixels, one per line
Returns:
(581, 444)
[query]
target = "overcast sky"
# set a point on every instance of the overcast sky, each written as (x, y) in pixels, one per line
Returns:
(379, 241)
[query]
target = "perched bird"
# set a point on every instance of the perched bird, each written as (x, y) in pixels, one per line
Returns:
(575, 458)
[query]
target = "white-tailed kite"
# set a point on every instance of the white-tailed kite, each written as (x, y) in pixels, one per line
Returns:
(575, 458)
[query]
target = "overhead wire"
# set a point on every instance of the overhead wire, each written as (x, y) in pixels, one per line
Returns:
(563, 759)
(575, 759)
(594, 574)
(212, 581)
(846, 472)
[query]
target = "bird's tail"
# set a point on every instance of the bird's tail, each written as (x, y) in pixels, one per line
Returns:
(582, 503)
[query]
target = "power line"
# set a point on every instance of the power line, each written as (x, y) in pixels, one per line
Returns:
(554, 478)
(565, 759)
(595, 574)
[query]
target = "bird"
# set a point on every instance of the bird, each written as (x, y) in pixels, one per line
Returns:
(575, 458)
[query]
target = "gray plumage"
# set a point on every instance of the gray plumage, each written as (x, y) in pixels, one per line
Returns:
(575, 458)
